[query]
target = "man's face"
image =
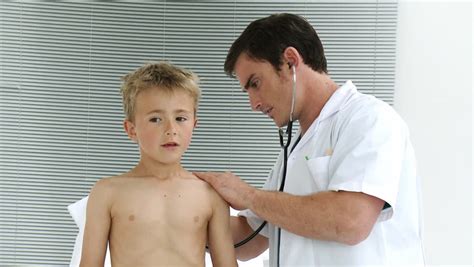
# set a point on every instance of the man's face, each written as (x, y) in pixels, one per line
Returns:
(269, 91)
(163, 125)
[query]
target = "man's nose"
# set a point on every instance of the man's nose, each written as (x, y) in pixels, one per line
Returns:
(255, 103)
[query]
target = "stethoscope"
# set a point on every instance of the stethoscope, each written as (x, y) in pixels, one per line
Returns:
(284, 146)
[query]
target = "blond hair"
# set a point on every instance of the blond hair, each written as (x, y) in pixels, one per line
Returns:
(161, 75)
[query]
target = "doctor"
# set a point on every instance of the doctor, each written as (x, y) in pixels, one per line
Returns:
(351, 193)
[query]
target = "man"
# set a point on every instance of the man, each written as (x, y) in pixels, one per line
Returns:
(351, 193)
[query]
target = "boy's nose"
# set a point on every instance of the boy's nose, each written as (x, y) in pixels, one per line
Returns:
(170, 129)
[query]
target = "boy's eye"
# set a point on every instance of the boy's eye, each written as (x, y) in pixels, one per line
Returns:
(181, 119)
(155, 120)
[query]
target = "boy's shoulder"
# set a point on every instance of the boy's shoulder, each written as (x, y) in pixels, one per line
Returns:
(105, 181)
(196, 184)
(209, 190)
(202, 184)
(113, 181)
(113, 186)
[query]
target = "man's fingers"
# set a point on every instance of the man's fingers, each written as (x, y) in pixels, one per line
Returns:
(206, 176)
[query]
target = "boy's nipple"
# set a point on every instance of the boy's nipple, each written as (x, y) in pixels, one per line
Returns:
(131, 217)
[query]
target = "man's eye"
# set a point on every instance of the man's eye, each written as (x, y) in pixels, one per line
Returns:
(254, 84)
(155, 120)
(181, 119)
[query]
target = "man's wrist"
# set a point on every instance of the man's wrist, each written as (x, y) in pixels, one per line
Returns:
(251, 197)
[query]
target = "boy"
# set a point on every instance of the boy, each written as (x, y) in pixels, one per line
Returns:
(157, 214)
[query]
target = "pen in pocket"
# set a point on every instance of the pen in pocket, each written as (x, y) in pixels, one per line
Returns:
(327, 153)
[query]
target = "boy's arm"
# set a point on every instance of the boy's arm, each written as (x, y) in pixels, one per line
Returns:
(220, 241)
(96, 233)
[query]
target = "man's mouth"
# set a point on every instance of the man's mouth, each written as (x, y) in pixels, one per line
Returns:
(267, 112)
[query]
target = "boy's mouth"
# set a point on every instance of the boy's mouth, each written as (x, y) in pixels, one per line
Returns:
(170, 144)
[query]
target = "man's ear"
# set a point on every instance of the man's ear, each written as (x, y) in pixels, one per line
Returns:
(130, 130)
(291, 56)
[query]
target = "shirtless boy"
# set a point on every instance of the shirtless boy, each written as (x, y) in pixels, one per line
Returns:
(157, 214)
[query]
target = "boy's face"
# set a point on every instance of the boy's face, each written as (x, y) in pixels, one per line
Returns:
(163, 125)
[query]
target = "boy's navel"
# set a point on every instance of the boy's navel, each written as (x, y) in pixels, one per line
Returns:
(131, 217)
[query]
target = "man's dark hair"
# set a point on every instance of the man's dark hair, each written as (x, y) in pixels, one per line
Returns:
(267, 38)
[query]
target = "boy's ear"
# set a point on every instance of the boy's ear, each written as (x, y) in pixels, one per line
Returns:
(195, 122)
(130, 130)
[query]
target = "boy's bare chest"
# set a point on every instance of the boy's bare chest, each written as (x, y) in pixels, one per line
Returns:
(164, 225)
(175, 206)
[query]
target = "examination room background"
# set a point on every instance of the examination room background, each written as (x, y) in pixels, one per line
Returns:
(61, 117)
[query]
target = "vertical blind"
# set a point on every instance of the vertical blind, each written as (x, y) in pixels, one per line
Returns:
(60, 107)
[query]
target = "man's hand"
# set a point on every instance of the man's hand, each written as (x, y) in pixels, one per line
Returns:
(231, 188)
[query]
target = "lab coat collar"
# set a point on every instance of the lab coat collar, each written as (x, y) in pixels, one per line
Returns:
(336, 102)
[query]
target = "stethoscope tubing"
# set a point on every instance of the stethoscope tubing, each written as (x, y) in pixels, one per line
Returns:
(284, 146)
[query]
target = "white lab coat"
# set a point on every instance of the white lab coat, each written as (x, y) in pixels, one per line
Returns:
(359, 144)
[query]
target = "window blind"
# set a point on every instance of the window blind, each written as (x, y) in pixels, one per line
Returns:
(60, 107)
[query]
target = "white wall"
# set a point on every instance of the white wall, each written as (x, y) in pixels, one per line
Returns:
(434, 95)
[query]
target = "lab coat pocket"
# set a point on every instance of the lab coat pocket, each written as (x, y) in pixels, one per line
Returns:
(319, 169)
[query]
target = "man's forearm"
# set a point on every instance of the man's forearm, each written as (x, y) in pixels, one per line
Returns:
(345, 217)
